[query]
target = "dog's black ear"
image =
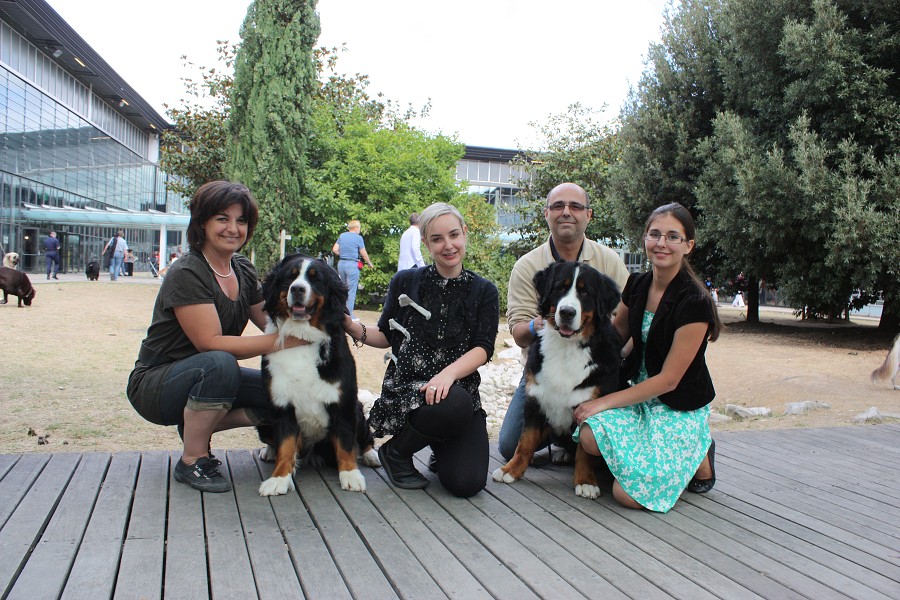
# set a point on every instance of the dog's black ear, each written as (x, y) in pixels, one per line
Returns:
(270, 288)
(608, 295)
(543, 283)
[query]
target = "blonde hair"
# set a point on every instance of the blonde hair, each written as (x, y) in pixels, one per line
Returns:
(438, 209)
(354, 224)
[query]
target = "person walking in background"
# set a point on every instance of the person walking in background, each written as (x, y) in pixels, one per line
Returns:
(567, 212)
(411, 246)
(350, 247)
(441, 324)
(51, 253)
(654, 433)
(187, 372)
(129, 262)
(119, 246)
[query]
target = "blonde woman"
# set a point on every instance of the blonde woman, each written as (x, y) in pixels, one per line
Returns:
(351, 250)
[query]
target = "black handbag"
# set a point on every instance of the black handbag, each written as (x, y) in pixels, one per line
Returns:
(110, 252)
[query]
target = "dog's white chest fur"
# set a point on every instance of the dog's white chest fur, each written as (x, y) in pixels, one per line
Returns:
(566, 364)
(295, 380)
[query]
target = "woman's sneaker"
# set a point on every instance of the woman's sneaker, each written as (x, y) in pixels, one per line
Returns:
(203, 475)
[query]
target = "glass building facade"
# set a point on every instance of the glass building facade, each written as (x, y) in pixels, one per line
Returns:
(487, 172)
(64, 148)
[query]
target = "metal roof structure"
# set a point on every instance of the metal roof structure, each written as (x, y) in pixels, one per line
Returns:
(42, 26)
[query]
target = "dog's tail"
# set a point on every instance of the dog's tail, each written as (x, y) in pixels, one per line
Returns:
(888, 369)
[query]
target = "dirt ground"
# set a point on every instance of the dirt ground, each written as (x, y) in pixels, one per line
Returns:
(67, 359)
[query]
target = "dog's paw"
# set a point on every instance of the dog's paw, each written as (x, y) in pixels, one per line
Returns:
(276, 486)
(370, 458)
(268, 454)
(503, 477)
(352, 481)
(586, 490)
(561, 456)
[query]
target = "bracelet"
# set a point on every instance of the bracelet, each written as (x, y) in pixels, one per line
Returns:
(531, 328)
(359, 343)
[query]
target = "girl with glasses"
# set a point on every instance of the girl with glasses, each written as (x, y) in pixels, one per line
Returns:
(654, 433)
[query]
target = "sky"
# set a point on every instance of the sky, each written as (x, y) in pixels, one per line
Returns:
(489, 67)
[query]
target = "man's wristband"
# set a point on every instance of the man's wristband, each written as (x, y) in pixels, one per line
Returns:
(531, 328)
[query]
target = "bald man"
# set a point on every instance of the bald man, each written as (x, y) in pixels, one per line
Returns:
(568, 212)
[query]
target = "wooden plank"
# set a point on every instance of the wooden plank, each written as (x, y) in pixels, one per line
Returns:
(849, 480)
(613, 535)
(552, 541)
(94, 571)
(726, 578)
(822, 491)
(6, 463)
(738, 508)
(780, 565)
(48, 566)
(621, 566)
(795, 498)
(407, 575)
(450, 573)
(312, 560)
(795, 553)
(484, 566)
(25, 525)
(141, 565)
(230, 571)
(525, 561)
(269, 556)
(17, 481)
(186, 575)
(361, 573)
(770, 461)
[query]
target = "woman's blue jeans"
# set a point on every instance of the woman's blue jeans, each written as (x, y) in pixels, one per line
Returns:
(212, 381)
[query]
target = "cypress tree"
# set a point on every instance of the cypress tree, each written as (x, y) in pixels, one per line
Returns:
(269, 124)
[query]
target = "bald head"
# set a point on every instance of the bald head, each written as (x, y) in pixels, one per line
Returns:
(568, 190)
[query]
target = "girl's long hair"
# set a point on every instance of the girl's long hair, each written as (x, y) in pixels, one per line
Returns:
(690, 231)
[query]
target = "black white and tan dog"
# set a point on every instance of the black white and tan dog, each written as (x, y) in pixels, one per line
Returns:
(575, 358)
(312, 387)
(11, 260)
(92, 270)
(16, 283)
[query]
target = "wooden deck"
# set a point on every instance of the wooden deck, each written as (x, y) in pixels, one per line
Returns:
(803, 513)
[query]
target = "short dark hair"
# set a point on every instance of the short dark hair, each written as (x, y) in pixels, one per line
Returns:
(213, 198)
(414, 219)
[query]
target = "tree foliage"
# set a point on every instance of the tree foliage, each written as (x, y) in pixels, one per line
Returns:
(778, 125)
(270, 118)
(578, 148)
(194, 151)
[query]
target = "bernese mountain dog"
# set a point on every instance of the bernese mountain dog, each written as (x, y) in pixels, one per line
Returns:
(317, 413)
(575, 358)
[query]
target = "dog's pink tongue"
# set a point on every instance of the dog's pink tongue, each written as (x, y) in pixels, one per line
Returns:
(298, 311)
(565, 331)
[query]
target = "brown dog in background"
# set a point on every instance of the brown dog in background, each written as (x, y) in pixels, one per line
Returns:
(16, 283)
(888, 369)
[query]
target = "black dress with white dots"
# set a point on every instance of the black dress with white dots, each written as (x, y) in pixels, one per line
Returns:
(463, 315)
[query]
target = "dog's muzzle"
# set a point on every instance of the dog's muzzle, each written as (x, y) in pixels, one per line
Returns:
(565, 320)
(300, 311)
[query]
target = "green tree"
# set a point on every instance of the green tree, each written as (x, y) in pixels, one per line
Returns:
(574, 147)
(194, 151)
(270, 119)
(776, 123)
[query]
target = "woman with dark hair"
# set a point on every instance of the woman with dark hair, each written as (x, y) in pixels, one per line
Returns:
(187, 372)
(654, 434)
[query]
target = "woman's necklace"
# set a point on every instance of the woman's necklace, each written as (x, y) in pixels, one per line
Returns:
(228, 274)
